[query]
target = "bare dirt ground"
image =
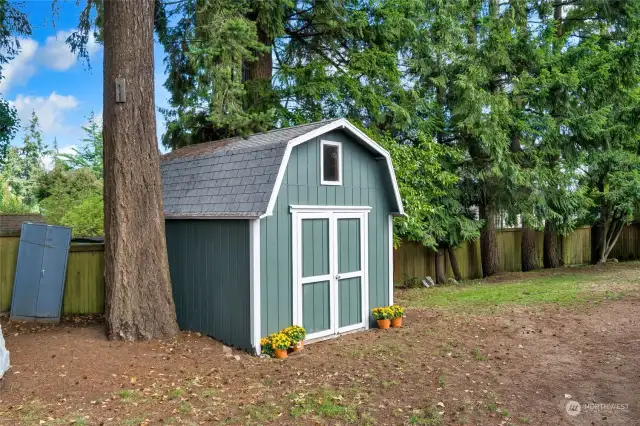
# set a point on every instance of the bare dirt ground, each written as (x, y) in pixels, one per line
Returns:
(518, 365)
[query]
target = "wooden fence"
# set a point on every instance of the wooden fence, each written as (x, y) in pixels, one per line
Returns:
(84, 285)
(414, 261)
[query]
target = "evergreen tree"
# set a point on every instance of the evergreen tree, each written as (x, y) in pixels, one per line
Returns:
(30, 165)
(13, 23)
(89, 153)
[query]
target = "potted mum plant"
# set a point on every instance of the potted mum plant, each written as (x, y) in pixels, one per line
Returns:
(266, 346)
(398, 313)
(296, 334)
(383, 316)
(280, 343)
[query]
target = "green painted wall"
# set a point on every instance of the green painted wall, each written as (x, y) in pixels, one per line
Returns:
(209, 263)
(365, 183)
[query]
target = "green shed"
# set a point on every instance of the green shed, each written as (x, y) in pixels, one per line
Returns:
(291, 226)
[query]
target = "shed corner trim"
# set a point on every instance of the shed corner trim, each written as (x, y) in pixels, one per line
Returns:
(254, 299)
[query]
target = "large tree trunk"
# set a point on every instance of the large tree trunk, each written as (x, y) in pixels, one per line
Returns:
(489, 242)
(440, 276)
(138, 288)
(597, 231)
(454, 263)
(528, 250)
(257, 74)
(552, 257)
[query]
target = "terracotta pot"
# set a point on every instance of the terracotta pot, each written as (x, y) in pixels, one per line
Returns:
(384, 324)
(396, 322)
(298, 347)
(281, 353)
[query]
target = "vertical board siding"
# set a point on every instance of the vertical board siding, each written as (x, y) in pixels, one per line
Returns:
(84, 282)
(365, 183)
(315, 306)
(576, 247)
(628, 245)
(209, 264)
(315, 247)
(84, 285)
(349, 256)
(349, 301)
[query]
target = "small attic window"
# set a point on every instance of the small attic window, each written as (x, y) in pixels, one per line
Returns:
(331, 162)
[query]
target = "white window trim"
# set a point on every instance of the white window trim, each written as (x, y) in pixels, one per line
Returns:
(340, 168)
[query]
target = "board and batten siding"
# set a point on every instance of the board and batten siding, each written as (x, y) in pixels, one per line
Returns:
(365, 182)
(209, 264)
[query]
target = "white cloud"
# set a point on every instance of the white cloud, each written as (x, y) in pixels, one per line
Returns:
(48, 159)
(56, 53)
(22, 67)
(50, 110)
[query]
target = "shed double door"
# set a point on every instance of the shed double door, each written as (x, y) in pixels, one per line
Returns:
(330, 272)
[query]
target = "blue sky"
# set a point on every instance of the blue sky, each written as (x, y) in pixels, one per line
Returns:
(48, 78)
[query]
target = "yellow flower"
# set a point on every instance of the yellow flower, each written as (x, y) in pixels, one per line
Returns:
(280, 341)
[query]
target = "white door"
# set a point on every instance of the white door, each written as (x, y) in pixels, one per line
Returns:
(330, 280)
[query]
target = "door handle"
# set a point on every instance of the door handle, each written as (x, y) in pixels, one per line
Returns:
(337, 277)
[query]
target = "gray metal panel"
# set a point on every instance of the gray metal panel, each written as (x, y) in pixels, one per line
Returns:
(54, 268)
(40, 272)
(28, 270)
(209, 265)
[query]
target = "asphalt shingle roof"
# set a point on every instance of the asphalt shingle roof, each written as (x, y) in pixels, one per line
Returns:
(231, 177)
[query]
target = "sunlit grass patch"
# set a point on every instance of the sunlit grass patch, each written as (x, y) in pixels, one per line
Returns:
(562, 289)
(325, 404)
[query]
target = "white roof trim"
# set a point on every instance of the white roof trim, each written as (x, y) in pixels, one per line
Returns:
(337, 124)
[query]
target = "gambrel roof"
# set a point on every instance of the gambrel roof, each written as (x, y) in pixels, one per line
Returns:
(241, 177)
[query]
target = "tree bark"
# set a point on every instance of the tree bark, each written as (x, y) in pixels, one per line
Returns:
(138, 287)
(489, 243)
(552, 256)
(440, 276)
(528, 250)
(607, 237)
(454, 263)
(257, 74)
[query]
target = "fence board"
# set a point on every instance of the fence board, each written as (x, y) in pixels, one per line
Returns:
(628, 245)
(84, 284)
(411, 260)
(8, 261)
(576, 247)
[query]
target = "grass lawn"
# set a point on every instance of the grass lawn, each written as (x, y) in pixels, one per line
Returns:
(564, 287)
